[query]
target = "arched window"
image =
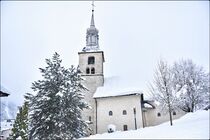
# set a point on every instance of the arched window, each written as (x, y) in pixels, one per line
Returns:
(158, 114)
(87, 71)
(92, 70)
(91, 60)
(110, 113)
(125, 127)
(174, 113)
(124, 112)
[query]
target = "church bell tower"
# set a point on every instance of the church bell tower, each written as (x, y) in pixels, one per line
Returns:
(91, 60)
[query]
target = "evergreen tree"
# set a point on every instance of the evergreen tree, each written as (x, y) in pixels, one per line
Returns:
(55, 110)
(20, 127)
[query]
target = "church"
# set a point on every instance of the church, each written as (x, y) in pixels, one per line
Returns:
(113, 103)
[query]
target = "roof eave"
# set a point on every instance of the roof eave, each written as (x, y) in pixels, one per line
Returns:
(118, 95)
(3, 94)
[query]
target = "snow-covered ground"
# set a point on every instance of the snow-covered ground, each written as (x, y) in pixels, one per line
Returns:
(191, 126)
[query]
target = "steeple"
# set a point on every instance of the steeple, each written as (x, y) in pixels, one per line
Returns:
(92, 35)
(92, 18)
(91, 65)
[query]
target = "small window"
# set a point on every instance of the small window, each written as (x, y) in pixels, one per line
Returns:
(134, 110)
(174, 113)
(89, 118)
(110, 113)
(92, 70)
(91, 60)
(87, 71)
(124, 112)
(158, 114)
(125, 127)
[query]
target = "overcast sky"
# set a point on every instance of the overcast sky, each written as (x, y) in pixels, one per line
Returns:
(133, 36)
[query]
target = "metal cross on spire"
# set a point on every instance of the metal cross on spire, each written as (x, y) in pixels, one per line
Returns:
(93, 5)
(92, 18)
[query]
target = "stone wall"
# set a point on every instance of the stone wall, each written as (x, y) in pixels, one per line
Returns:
(153, 119)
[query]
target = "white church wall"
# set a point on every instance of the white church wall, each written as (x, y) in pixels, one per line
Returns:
(117, 105)
(91, 83)
(152, 117)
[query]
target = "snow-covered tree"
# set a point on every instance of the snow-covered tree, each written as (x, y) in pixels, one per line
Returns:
(55, 110)
(20, 127)
(161, 88)
(192, 84)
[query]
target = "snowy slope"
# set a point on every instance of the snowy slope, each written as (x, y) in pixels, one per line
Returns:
(191, 126)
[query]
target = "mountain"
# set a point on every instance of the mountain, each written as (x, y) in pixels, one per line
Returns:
(8, 110)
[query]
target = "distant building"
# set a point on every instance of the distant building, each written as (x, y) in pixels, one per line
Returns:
(3, 94)
(6, 128)
(4, 134)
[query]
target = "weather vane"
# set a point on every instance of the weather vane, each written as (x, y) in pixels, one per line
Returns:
(93, 5)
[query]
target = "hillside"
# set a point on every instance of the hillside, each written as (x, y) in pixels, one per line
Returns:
(191, 126)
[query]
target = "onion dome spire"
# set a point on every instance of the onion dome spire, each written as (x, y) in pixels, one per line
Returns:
(92, 35)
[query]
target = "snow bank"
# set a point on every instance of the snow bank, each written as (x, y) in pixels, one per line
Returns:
(191, 126)
(111, 128)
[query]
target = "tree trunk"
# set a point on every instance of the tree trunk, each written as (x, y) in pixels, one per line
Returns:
(169, 107)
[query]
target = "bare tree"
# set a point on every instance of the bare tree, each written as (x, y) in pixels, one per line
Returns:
(161, 88)
(192, 84)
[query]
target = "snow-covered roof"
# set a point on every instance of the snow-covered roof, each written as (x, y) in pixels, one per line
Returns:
(3, 91)
(148, 106)
(117, 86)
(91, 49)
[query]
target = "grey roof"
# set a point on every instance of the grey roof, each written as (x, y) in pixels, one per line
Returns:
(3, 94)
